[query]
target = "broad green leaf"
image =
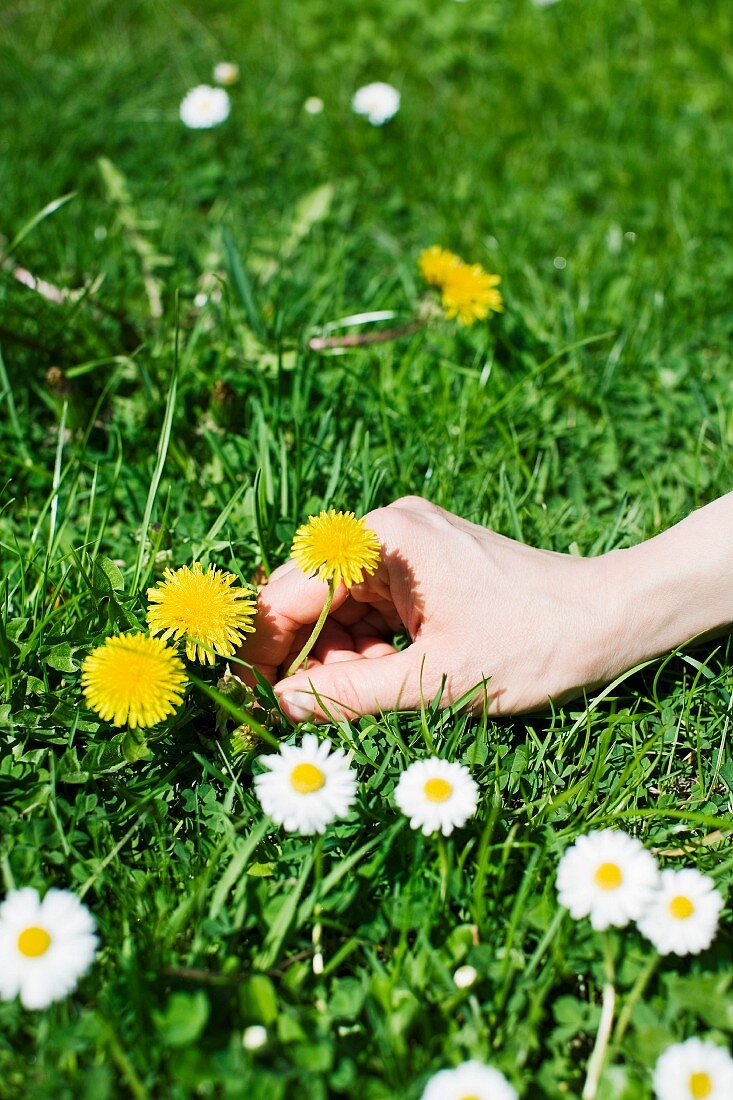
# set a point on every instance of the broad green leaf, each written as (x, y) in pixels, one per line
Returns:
(106, 576)
(183, 1019)
(61, 658)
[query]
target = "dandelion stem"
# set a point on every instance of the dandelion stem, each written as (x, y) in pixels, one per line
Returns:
(608, 1005)
(315, 632)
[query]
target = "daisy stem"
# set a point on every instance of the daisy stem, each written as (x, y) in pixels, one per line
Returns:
(125, 1066)
(317, 936)
(636, 992)
(444, 857)
(608, 1005)
(315, 632)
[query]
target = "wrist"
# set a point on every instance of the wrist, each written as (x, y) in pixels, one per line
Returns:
(670, 589)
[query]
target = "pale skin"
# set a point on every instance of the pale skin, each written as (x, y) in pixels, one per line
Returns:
(522, 626)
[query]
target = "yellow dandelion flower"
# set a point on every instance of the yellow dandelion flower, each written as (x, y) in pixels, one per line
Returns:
(337, 546)
(210, 610)
(469, 293)
(435, 263)
(133, 679)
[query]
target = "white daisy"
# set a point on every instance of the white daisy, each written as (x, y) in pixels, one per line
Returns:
(682, 918)
(204, 107)
(45, 946)
(607, 876)
(693, 1070)
(226, 72)
(436, 794)
(377, 102)
(469, 1081)
(306, 788)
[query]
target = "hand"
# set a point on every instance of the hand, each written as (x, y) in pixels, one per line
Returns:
(520, 625)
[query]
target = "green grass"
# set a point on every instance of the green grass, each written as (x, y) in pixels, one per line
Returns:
(593, 413)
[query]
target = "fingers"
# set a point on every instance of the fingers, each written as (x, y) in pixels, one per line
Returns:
(289, 602)
(337, 644)
(292, 601)
(366, 685)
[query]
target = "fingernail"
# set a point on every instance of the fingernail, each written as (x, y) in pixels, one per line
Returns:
(298, 704)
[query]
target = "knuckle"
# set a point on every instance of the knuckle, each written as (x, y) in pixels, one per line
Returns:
(412, 502)
(392, 517)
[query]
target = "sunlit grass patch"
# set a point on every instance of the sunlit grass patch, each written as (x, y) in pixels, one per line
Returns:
(163, 404)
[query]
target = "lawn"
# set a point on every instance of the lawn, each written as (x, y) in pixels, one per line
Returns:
(162, 404)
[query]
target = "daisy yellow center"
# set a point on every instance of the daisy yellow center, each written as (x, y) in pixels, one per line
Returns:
(437, 790)
(608, 876)
(34, 942)
(337, 547)
(681, 908)
(473, 1096)
(306, 778)
(700, 1085)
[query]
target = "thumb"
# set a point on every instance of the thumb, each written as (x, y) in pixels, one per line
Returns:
(366, 685)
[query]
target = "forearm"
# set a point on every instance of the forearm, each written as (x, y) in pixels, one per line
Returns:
(678, 585)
